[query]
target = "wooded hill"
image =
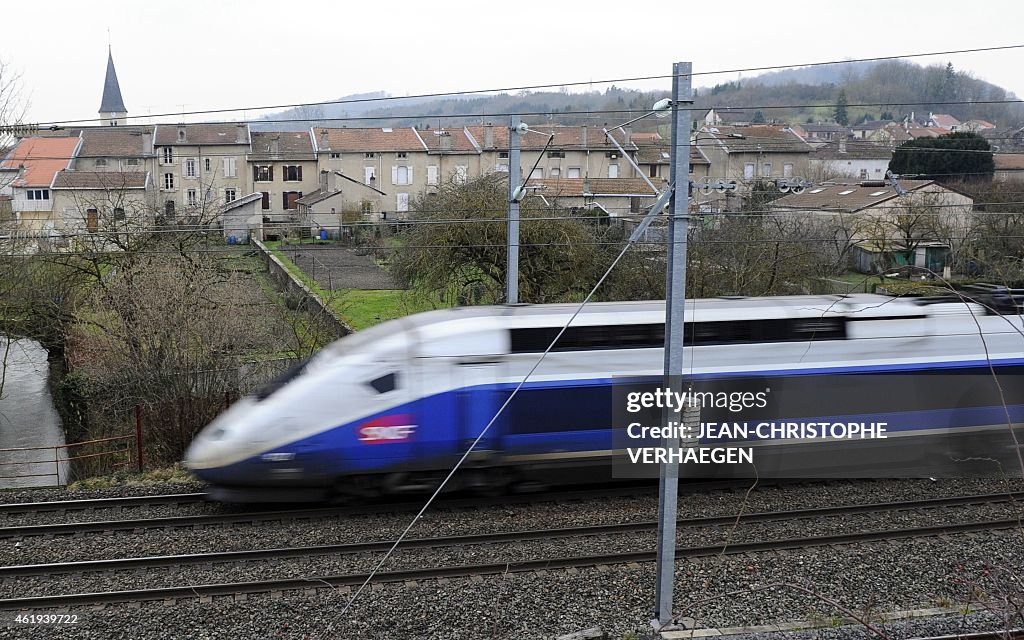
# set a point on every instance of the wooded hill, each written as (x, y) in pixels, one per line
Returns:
(891, 88)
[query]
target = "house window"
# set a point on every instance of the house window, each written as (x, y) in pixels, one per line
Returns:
(766, 170)
(101, 162)
(369, 154)
(263, 173)
(501, 167)
(370, 174)
(402, 202)
(169, 208)
(863, 174)
(787, 170)
(207, 164)
(613, 171)
(367, 207)
(461, 173)
(231, 168)
(168, 181)
(653, 172)
(132, 162)
(118, 214)
(190, 167)
(266, 200)
(401, 175)
(92, 220)
(503, 154)
(556, 154)
(748, 171)
(400, 154)
(229, 195)
(537, 173)
(335, 155)
(432, 175)
(191, 198)
(290, 199)
(554, 172)
(574, 172)
(292, 173)
(38, 194)
(168, 155)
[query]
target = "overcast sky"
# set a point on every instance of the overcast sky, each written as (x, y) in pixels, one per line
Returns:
(215, 54)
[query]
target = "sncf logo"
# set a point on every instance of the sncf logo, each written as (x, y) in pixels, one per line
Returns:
(387, 429)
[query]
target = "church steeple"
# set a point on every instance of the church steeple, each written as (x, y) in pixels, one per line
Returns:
(112, 109)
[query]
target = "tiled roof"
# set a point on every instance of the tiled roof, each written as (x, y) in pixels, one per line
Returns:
(871, 125)
(117, 142)
(291, 145)
(447, 140)
(568, 187)
(845, 197)
(662, 154)
(980, 124)
(106, 180)
(379, 139)
(196, 134)
(944, 120)
(42, 157)
(822, 127)
(566, 138)
(753, 139)
(854, 150)
(731, 114)
(1009, 161)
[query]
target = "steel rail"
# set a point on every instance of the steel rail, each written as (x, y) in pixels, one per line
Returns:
(471, 539)
(99, 503)
(499, 568)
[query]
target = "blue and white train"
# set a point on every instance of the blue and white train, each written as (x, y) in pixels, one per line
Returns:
(394, 407)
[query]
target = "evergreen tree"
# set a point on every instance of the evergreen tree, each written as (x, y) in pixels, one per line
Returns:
(758, 117)
(948, 158)
(841, 116)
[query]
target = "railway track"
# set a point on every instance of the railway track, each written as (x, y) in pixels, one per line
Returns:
(73, 528)
(242, 589)
(14, 508)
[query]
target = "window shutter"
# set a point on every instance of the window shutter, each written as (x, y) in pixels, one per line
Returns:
(410, 175)
(394, 174)
(255, 173)
(298, 173)
(284, 200)
(266, 199)
(271, 167)
(431, 174)
(227, 167)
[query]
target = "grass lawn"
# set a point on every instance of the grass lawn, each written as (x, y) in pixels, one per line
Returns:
(362, 308)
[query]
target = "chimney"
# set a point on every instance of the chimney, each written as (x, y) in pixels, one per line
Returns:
(629, 133)
(20, 180)
(241, 136)
(147, 142)
(324, 144)
(323, 181)
(275, 145)
(488, 137)
(842, 144)
(583, 136)
(446, 141)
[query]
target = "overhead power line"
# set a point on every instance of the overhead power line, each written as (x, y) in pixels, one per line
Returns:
(541, 86)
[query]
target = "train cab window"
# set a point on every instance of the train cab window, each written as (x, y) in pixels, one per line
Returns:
(385, 383)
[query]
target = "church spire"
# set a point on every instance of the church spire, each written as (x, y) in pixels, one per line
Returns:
(112, 109)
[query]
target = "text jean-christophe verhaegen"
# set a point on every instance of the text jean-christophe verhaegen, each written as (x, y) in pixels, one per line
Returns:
(712, 436)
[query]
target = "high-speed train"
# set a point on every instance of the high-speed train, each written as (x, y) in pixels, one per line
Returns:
(393, 407)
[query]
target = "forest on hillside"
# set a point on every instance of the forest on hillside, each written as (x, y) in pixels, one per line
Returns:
(892, 88)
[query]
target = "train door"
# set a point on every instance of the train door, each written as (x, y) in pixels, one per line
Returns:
(478, 399)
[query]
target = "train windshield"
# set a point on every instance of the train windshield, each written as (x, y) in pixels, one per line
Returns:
(271, 387)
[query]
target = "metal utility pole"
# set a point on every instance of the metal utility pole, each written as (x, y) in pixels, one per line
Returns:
(675, 297)
(512, 264)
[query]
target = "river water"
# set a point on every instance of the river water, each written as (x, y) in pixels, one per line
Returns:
(28, 418)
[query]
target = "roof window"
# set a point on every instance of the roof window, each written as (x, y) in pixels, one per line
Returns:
(847, 192)
(816, 190)
(878, 193)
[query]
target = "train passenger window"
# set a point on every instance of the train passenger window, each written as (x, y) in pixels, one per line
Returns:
(385, 383)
